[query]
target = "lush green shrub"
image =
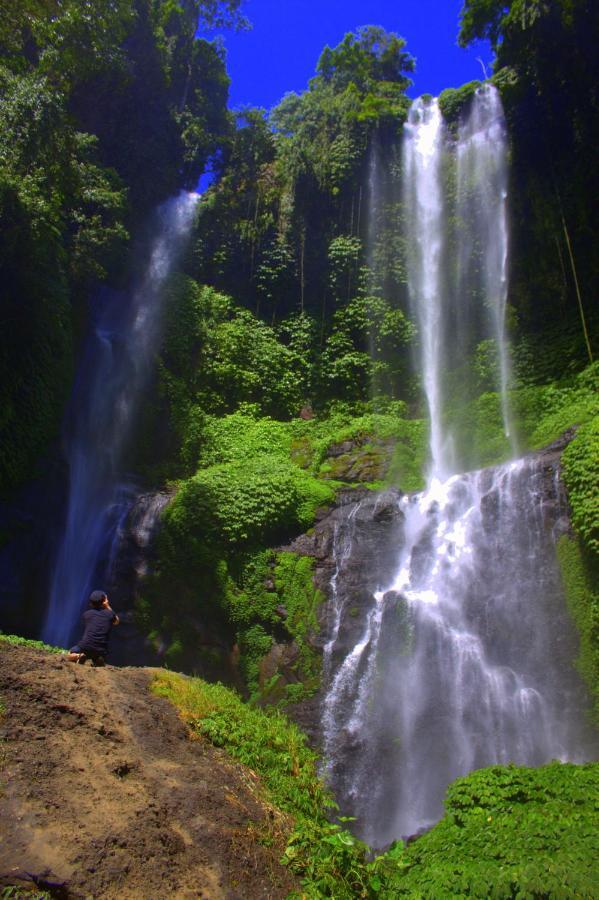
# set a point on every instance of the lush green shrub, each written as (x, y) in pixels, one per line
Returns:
(539, 415)
(260, 500)
(293, 577)
(580, 462)
(508, 832)
(453, 101)
(580, 577)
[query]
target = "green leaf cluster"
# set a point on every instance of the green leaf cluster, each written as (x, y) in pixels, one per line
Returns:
(510, 832)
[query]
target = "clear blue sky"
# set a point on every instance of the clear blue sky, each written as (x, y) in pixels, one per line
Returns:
(280, 53)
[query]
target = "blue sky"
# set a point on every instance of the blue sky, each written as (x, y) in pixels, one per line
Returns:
(280, 53)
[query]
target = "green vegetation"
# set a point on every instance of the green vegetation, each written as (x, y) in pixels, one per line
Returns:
(540, 414)
(284, 371)
(17, 893)
(330, 861)
(17, 641)
(580, 576)
(509, 832)
(453, 101)
(581, 474)
(256, 483)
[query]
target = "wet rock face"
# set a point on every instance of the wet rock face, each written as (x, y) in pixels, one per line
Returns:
(374, 521)
(133, 559)
(134, 556)
(372, 524)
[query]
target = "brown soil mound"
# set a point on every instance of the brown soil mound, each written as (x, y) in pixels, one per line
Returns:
(104, 794)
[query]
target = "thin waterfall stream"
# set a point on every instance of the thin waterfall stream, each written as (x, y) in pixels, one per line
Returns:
(463, 658)
(112, 377)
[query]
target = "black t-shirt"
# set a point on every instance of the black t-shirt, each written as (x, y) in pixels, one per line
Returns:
(98, 623)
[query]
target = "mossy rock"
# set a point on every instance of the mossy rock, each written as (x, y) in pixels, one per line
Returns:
(365, 459)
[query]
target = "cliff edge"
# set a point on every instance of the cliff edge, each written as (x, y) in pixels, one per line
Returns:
(103, 793)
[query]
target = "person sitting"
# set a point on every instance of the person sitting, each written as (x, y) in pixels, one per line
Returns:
(98, 622)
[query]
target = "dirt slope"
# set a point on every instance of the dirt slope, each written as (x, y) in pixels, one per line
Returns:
(103, 793)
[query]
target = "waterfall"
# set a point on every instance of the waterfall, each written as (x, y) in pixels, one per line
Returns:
(423, 151)
(463, 658)
(113, 374)
(457, 304)
(482, 189)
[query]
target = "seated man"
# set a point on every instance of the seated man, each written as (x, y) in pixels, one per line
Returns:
(98, 622)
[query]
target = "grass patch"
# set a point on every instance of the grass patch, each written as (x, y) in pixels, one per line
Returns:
(329, 860)
(17, 641)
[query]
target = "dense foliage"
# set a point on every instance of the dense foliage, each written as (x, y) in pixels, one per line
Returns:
(107, 108)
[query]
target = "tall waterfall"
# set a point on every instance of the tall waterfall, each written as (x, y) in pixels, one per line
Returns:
(482, 188)
(423, 151)
(456, 303)
(111, 379)
(464, 657)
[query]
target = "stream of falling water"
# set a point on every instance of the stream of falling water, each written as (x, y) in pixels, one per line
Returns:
(463, 659)
(110, 382)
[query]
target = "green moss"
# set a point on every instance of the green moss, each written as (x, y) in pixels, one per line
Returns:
(539, 414)
(580, 577)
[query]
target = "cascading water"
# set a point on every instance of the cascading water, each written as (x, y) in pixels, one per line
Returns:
(463, 658)
(114, 372)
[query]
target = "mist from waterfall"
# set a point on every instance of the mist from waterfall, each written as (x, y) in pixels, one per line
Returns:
(112, 376)
(464, 657)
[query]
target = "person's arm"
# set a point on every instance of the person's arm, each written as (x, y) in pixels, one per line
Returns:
(107, 606)
(115, 618)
